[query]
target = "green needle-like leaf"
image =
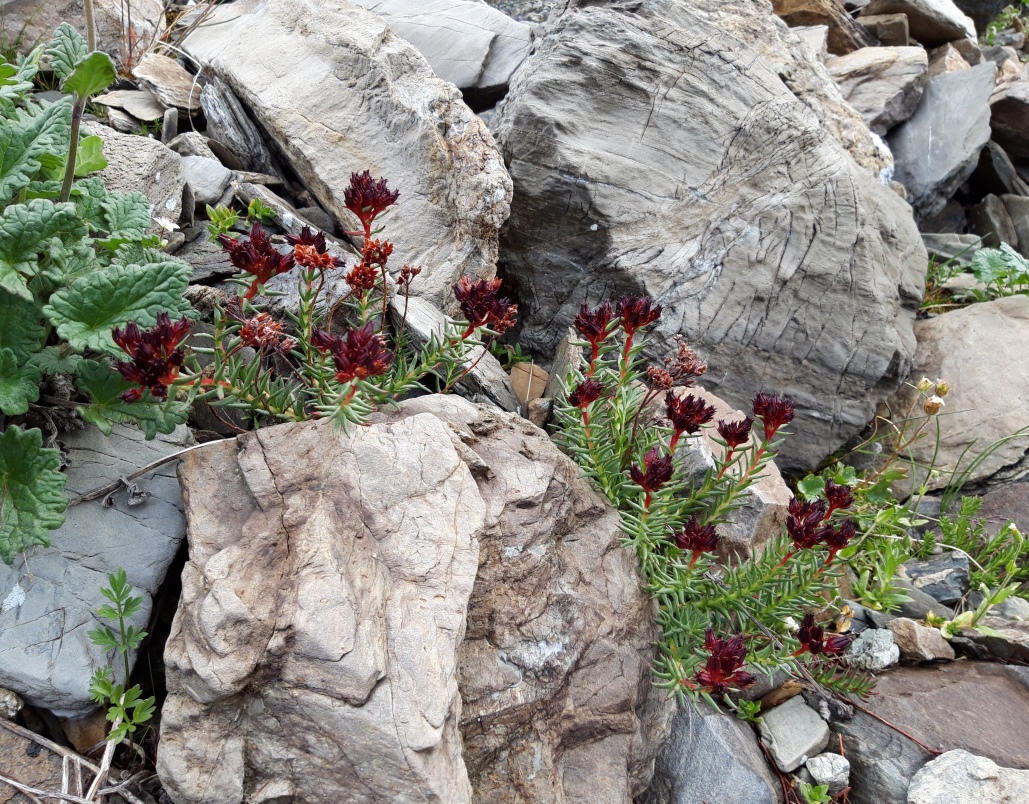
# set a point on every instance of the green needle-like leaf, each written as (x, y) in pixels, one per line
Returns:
(91, 76)
(66, 49)
(19, 385)
(30, 490)
(86, 312)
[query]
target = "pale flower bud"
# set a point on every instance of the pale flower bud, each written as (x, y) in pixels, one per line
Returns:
(942, 388)
(924, 384)
(932, 405)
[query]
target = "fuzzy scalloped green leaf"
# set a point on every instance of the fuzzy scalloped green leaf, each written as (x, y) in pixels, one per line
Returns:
(25, 230)
(126, 215)
(16, 81)
(21, 331)
(91, 76)
(24, 140)
(32, 501)
(67, 48)
(88, 195)
(68, 263)
(19, 384)
(87, 311)
(52, 360)
(90, 156)
(105, 386)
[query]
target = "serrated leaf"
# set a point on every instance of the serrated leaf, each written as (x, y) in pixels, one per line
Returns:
(50, 360)
(91, 76)
(89, 157)
(22, 331)
(66, 49)
(87, 311)
(88, 195)
(25, 231)
(126, 215)
(31, 491)
(105, 386)
(25, 139)
(19, 385)
(49, 189)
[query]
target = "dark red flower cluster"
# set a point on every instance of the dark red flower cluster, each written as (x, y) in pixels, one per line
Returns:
(838, 537)
(482, 307)
(774, 413)
(368, 198)
(374, 255)
(359, 354)
(407, 275)
(696, 539)
(637, 312)
(804, 522)
(311, 251)
(814, 640)
(723, 670)
(594, 326)
(585, 394)
(155, 356)
(687, 413)
(735, 434)
(257, 256)
(838, 496)
(656, 471)
(657, 379)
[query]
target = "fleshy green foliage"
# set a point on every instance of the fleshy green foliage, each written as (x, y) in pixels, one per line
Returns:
(69, 272)
(127, 709)
(711, 614)
(32, 502)
(814, 794)
(1003, 271)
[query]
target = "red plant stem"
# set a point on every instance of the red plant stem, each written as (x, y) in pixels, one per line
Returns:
(594, 355)
(725, 463)
(625, 354)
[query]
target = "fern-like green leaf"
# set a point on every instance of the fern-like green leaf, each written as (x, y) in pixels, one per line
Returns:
(32, 502)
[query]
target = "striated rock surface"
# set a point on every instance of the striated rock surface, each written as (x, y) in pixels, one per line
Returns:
(338, 91)
(883, 83)
(1009, 109)
(932, 22)
(333, 606)
(697, 177)
(959, 777)
(845, 35)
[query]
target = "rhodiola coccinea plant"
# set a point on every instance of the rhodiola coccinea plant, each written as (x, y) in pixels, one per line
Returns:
(628, 426)
(337, 362)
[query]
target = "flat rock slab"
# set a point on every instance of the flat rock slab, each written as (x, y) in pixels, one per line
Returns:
(793, 731)
(29, 763)
(938, 148)
(339, 92)
(977, 706)
(1010, 116)
(932, 22)
(144, 165)
(711, 756)
(50, 594)
(959, 777)
(883, 83)
(845, 35)
(137, 102)
(169, 81)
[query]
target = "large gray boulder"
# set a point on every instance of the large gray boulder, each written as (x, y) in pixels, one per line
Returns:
(959, 777)
(982, 12)
(697, 177)
(938, 148)
(50, 594)
(342, 587)
(1009, 108)
(338, 92)
(931, 22)
(883, 83)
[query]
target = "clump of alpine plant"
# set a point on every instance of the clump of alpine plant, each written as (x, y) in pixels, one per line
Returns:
(723, 619)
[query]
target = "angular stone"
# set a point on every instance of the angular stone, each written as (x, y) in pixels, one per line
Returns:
(920, 604)
(890, 29)
(700, 233)
(971, 348)
(996, 174)
(873, 650)
(144, 165)
(208, 259)
(229, 125)
(1009, 108)
(469, 44)
(1009, 503)
(1017, 207)
(918, 642)
(882, 761)
(932, 22)
(938, 148)
(1014, 608)
(170, 82)
(207, 177)
(946, 59)
(191, 143)
(1006, 639)
(982, 12)
(884, 84)
(989, 220)
(711, 756)
(845, 35)
(815, 39)
(357, 97)
(10, 704)
(50, 594)
(946, 247)
(951, 219)
(138, 103)
(944, 577)
(528, 381)
(793, 731)
(831, 770)
(968, 49)
(958, 777)
(30, 763)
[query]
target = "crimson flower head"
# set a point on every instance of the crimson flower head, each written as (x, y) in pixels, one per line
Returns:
(735, 434)
(658, 379)
(594, 325)
(482, 307)
(813, 639)
(838, 496)
(723, 670)
(360, 353)
(836, 538)
(308, 237)
(687, 414)
(368, 198)
(265, 334)
(637, 312)
(407, 275)
(656, 471)
(585, 394)
(697, 539)
(804, 521)
(774, 412)
(257, 256)
(155, 356)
